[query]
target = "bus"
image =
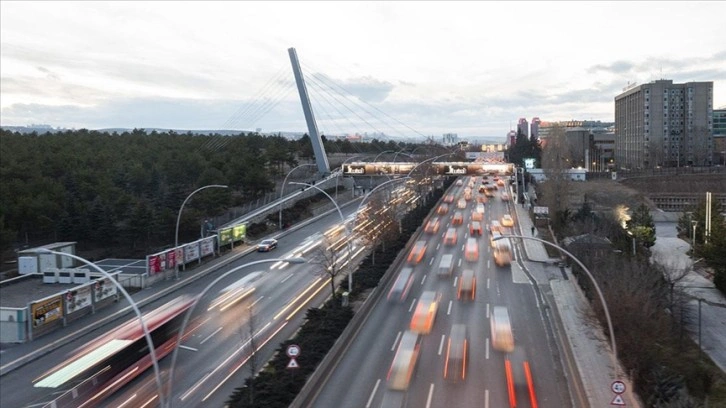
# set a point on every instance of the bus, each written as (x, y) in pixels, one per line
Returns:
(502, 338)
(404, 362)
(96, 370)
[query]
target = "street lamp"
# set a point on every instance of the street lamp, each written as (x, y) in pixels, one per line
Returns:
(360, 205)
(694, 223)
(428, 160)
(592, 279)
(178, 218)
(345, 226)
(200, 296)
(282, 188)
(120, 288)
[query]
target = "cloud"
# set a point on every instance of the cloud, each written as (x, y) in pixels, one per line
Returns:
(366, 88)
(617, 67)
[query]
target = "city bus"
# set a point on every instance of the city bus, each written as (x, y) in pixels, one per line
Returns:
(98, 369)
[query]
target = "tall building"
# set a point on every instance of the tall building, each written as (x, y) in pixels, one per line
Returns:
(534, 127)
(664, 124)
(523, 127)
(719, 136)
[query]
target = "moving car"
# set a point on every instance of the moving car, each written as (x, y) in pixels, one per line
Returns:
(502, 338)
(425, 313)
(458, 218)
(456, 354)
(446, 266)
(450, 237)
(502, 253)
(467, 285)
(471, 250)
(475, 228)
(477, 216)
(432, 226)
(505, 197)
(507, 221)
(267, 245)
(404, 362)
(442, 209)
(461, 203)
(400, 288)
(493, 237)
(449, 198)
(417, 252)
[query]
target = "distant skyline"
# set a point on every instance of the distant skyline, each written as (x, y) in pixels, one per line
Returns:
(409, 69)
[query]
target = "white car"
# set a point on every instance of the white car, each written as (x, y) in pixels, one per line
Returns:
(267, 245)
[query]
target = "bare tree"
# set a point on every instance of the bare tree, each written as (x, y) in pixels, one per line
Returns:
(249, 336)
(332, 257)
(378, 223)
(555, 163)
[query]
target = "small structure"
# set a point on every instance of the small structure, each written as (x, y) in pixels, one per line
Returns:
(30, 261)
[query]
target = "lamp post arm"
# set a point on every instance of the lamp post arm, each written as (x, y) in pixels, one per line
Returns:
(360, 205)
(178, 219)
(144, 327)
(592, 279)
(282, 188)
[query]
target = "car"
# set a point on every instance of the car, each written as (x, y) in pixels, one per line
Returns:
(505, 197)
(475, 228)
(442, 209)
(495, 226)
(450, 237)
(400, 288)
(459, 182)
(432, 226)
(507, 221)
(477, 216)
(417, 252)
(267, 245)
(458, 218)
(494, 235)
(461, 203)
(467, 285)
(481, 198)
(471, 250)
(467, 196)
(480, 208)
(500, 183)
(449, 198)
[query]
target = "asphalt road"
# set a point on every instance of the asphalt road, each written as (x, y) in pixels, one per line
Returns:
(360, 376)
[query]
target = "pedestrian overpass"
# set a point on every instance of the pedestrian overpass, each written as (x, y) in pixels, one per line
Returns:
(443, 168)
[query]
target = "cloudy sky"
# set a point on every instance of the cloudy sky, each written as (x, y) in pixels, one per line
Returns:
(402, 68)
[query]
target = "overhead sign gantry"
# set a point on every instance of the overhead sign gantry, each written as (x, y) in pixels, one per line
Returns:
(439, 168)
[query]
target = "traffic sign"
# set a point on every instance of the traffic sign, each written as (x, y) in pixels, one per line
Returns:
(618, 400)
(293, 364)
(293, 351)
(618, 387)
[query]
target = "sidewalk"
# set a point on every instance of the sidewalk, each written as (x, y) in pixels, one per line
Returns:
(588, 344)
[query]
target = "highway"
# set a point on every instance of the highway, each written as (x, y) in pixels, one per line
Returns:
(360, 377)
(213, 359)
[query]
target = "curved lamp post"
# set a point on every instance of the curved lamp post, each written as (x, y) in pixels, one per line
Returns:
(594, 282)
(200, 296)
(360, 205)
(345, 226)
(282, 188)
(178, 218)
(119, 287)
(428, 160)
(340, 173)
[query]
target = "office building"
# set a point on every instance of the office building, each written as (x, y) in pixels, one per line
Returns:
(719, 136)
(523, 127)
(664, 124)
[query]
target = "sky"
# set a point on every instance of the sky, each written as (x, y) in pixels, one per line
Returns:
(406, 69)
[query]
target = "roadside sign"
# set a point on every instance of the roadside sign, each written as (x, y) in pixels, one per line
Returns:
(618, 387)
(618, 400)
(293, 351)
(293, 364)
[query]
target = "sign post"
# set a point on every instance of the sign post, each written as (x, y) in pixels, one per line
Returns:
(293, 351)
(618, 387)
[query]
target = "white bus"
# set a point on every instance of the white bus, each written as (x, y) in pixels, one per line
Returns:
(502, 338)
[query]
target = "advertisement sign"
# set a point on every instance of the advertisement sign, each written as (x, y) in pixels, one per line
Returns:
(77, 299)
(225, 236)
(207, 246)
(103, 288)
(170, 259)
(239, 232)
(354, 169)
(153, 264)
(47, 310)
(191, 252)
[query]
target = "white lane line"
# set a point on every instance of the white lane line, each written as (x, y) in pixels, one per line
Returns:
(489, 263)
(456, 278)
(286, 278)
(373, 394)
(486, 398)
(431, 262)
(448, 311)
(255, 302)
(209, 337)
(487, 349)
(423, 279)
(431, 394)
(487, 310)
(412, 303)
(488, 283)
(188, 348)
(441, 345)
(398, 336)
(459, 262)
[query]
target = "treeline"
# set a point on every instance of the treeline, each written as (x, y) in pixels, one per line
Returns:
(125, 189)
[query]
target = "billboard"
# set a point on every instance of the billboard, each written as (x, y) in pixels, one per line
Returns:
(78, 299)
(191, 252)
(103, 289)
(207, 246)
(225, 236)
(239, 232)
(46, 310)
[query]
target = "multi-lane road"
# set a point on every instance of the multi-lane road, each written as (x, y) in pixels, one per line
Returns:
(214, 357)
(360, 376)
